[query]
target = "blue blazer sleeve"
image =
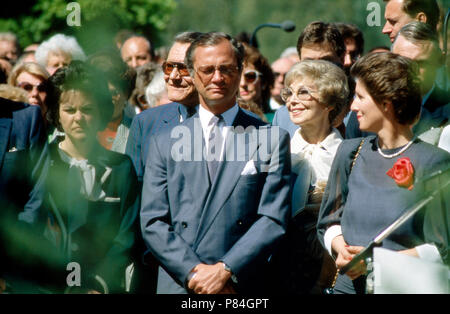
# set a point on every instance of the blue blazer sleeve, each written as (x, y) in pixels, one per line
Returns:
(164, 243)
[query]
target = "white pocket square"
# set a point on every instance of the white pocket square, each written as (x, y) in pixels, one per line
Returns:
(112, 199)
(12, 150)
(249, 168)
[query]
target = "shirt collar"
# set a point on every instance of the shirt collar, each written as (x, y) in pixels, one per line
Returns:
(228, 116)
(329, 143)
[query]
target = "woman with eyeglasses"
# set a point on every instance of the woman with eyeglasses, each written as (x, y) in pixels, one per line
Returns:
(256, 80)
(375, 179)
(315, 93)
(33, 78)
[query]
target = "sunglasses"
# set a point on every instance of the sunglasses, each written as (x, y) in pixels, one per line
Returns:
(168, 67)
(41, 87)
(251, 76)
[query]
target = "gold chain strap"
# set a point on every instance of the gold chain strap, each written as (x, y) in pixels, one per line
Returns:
(353, 164)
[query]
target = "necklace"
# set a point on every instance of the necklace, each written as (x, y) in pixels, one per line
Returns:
(397, 153)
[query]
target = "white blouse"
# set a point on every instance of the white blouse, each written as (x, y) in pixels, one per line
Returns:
(91, 189)
(318, 157)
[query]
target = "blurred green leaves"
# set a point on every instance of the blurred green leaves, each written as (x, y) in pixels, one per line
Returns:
(44, 18)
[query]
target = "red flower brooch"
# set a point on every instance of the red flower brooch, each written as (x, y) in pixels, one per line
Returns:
(403, 173)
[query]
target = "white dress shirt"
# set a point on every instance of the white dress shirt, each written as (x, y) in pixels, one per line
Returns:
(224, 126)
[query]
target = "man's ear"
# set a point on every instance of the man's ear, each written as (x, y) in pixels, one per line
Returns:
(421, 17)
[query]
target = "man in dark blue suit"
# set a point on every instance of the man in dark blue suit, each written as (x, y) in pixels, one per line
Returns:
(21, 140)
(180, 90)
(215, 202)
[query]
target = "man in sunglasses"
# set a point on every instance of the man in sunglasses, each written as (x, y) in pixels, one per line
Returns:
(213, 224)
(181, 91)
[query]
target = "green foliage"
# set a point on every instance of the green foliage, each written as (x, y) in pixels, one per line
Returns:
(99, 18)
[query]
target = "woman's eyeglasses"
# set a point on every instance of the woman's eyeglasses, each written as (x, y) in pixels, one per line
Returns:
(301, 94)
(41, 87)
(168, 67)
(251, 76)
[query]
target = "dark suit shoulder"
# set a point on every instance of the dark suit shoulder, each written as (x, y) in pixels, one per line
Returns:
(151, 114)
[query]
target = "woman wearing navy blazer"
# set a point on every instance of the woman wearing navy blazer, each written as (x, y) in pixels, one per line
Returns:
(373, 180)
(90, 194)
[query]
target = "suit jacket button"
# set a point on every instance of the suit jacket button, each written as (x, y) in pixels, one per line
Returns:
(74, 247)
(184, 224)
(239, 222)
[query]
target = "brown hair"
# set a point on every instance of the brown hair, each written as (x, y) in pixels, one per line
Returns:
(319, 33)
(352, 31)
(390, 77)
(261, 64)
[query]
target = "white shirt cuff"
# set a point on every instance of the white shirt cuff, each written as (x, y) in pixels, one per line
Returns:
(429, 252)
(330, 234)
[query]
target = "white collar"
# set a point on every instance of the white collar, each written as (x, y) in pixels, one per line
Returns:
(228, 116)
(329, 144)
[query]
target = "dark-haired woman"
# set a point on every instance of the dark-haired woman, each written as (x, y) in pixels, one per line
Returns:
(256, 81)
(89, 194)
(373, 180)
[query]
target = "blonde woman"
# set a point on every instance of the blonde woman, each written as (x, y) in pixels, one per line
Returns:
(315, 93)
(33, 78)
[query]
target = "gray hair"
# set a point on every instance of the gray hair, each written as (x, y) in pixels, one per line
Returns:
(421, 34)
(289, 51)
(59, 43)
(8, 36)
(329, 79)
(156, 89)
(213, 39)
(187, 37)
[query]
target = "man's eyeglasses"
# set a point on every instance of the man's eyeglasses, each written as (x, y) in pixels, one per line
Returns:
(251, 76)
(207, 71)
(168, 67)
(41, 87)
(301, 94)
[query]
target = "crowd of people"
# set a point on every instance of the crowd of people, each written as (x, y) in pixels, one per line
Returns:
(203, 168)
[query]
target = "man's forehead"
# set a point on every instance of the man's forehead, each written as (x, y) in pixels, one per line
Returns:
(282, 65)
(177, 52)
(317, 52)
(219, 53)
(394, 9)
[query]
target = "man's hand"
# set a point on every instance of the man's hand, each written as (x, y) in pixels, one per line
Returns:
(209, 279)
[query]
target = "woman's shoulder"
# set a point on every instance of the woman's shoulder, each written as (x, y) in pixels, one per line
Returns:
(431, 153)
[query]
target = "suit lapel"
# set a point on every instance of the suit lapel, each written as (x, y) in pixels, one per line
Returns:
(5, 131)
(228, 174)
(195, 168)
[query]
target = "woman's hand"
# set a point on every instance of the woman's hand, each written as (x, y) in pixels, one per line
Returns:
(345, 254)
